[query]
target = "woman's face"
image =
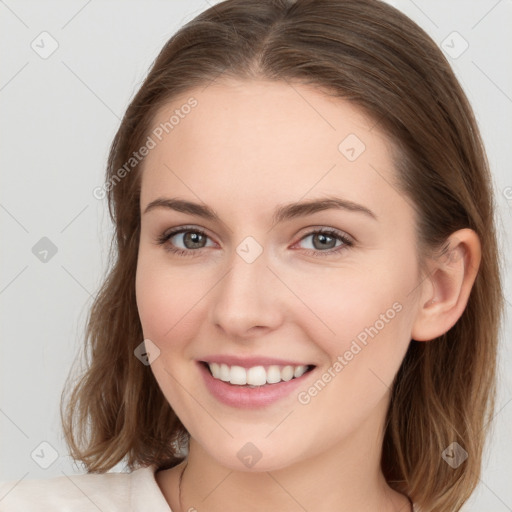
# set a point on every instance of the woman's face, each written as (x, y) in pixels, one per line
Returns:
(254, 290)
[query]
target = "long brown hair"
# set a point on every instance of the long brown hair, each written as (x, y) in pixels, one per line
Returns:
(370, 54)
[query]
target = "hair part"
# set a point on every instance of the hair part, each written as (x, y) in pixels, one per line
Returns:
(372, 55)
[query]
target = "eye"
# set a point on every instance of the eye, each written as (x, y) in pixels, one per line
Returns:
(190, 238)
(324, 242)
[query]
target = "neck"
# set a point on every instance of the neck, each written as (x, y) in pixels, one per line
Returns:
(346, 477)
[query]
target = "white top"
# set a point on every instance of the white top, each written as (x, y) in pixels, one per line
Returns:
(137, 491)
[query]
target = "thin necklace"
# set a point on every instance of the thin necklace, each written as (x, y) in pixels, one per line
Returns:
(179, 486)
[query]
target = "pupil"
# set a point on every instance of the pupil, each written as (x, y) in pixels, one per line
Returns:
(323, 239)
(194, 238)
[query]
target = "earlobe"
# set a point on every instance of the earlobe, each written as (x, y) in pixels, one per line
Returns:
(448, 286)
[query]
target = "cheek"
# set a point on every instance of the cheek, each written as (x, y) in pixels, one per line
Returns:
(371, 318)
(167, 300)
(339, 305)
(369, 322)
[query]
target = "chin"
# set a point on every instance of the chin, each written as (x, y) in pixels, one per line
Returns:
(251, 457)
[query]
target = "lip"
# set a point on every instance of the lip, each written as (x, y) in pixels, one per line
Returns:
(249, 398)
(249, 362)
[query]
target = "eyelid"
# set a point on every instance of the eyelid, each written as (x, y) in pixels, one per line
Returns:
(168, 233)
(323, 228)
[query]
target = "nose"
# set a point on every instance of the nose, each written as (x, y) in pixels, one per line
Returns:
(248, 300)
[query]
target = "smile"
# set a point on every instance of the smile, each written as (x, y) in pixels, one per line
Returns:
(255, 382)
(256, 375)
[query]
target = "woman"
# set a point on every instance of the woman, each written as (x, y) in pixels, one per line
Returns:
(304, 304)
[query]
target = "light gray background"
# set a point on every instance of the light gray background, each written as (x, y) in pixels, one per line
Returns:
(59, 115)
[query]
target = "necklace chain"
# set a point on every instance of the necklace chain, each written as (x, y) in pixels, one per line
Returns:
(181, 478)
(179, 486)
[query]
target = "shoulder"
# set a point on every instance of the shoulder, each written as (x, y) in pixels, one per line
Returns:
(67, 492)
(79, 493)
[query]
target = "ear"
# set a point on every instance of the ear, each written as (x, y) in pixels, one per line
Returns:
(445, 291)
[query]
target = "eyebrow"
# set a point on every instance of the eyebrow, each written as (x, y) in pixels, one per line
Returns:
(282, 213)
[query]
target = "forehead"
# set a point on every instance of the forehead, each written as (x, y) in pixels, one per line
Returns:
(262, 142)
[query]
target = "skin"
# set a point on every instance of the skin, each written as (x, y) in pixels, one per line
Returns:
(247, 147)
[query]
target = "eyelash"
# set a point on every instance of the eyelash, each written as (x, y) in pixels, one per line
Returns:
(164, 238)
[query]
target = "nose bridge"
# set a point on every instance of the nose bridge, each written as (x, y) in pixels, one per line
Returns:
(244, 298)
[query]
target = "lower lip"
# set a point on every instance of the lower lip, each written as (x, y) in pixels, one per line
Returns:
(249, 398)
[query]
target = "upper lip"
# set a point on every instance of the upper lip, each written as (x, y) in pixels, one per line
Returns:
(249, 362)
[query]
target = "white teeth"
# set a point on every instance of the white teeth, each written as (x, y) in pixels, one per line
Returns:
(257, 375)
(287, 373)
(273, 375)
(215, 369)
(299, 371)
(224, 372)
(237, 375)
